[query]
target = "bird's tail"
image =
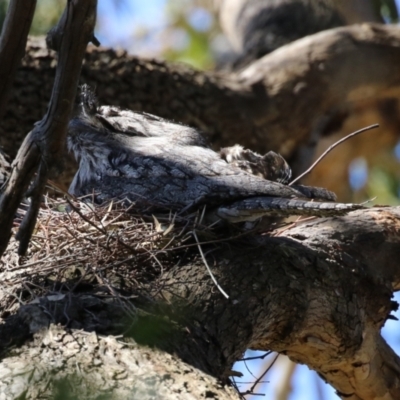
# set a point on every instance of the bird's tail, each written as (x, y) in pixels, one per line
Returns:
(257, 207)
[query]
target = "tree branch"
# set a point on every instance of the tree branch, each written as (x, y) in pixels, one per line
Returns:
(331, 70)
(55, 35)
(122, 370)
(319, 292)
(367, 243)
(12, 44)
(47, 140)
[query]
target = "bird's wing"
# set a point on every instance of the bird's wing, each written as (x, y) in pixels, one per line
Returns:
(158, 172)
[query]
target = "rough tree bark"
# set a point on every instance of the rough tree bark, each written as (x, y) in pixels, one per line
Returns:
(331, 70)
(319, 291)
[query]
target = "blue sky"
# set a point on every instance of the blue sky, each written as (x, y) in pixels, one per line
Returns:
(116, 28)
(117, 25)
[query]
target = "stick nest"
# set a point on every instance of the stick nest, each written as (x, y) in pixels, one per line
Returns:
(108, 251)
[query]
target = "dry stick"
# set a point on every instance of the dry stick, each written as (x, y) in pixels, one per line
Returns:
(256, 357)
(12, 44)
(331, 148)
(29, 220)
(260, 377)
(100, 229)
(27, 160)
(207, 266)
(46, 141)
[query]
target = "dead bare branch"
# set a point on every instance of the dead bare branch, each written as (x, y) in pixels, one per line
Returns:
(55, 35)
(330, 148)
(45, 143)
(12, 44)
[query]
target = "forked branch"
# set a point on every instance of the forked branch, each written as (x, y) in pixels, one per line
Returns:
(45, 143)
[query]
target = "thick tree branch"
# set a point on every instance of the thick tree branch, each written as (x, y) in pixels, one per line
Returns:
(330, 70)
(319, 298)
(255, 28)
(47, 140)
(122, 371)
(367, 243)
(371, 240)
(12, 44)
(312, 292)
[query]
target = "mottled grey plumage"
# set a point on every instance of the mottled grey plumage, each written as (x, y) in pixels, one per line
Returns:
(161, 165)
(271, 166)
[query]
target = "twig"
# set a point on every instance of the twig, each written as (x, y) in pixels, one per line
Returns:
(250, 391)
(256, 357)
(100, 229)
(129, 307)
(330, 148)
(207, 266)
(28, 223)
(251, 359)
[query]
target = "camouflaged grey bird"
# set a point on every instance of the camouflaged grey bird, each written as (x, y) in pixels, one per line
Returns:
(160, 165)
